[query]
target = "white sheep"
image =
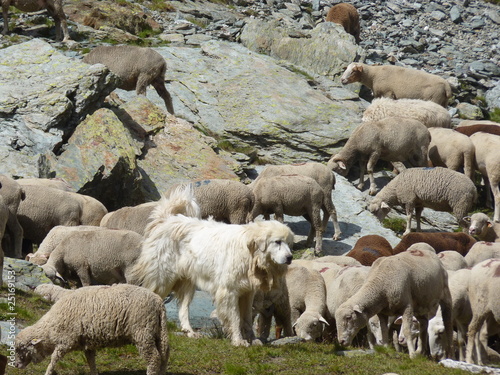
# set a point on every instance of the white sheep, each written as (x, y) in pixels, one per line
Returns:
(437, 188)
(452, 260)
(4, 217)
(341, 260)
(488, 163)
(451, 149)
(94, 317)
(13, 194)
(412, 283)
(51, 292)
(483, 228)
(393, 139)
(137, 68)
(397, 82)
(427, 112)
(133, 218)
(294, 195)
(481, 251)
(55, 183)
(102, 256)
(54, 8)
(483, 294)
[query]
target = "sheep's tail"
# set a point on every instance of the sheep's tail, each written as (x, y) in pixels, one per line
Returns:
(163, 345)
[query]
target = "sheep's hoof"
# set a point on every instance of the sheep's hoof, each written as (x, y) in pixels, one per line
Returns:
(372, 192)
(336, 236)
(360, 186)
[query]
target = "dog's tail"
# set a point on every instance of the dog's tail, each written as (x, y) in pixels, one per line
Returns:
(179, 201)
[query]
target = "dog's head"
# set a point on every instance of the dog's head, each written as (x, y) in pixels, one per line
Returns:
(270, 241)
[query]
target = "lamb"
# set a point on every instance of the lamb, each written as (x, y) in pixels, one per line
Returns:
(427, 112)
(452, 260)
(440, 241)
(391, 139)
(437, 188)
(12, 195)
(137, 68)
(483, 228)
(102, 256)
(411, 283)
(347, 16)
(451, 149)
(133, 218)
(95, 317)
(482, 251)
(54, 8)
(294, 195)
(369, 248)
(51, 292)
(398, 83)
(488, 163)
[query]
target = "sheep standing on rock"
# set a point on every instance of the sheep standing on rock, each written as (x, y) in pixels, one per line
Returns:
(483, 228)
(54, 8)
(394, 139)
(440, 241)
(369, 248)
(428, 113)
(396, 82)
(440, 189)
(137, 67)
(347, 16)
(95, 317)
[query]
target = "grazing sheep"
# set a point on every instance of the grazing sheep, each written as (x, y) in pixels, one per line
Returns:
(488, 163)
(294, 195)
(411, 283)
(483, 228)
(347, 16)
(438, 188)
(394, 139)
(472, 129)
(13, 194)
(55, 183)
(137, 68)
(95, 317)
(483, 294)
(369, 248)
(51, 292)
(452, 260)
(482, 251)
(54, 8)
(428, 113)
(450, 149)
(102, 256)
(440, 241)
(396, 82)
(133, 218)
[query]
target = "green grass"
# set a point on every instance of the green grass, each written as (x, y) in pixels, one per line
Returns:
(396, 224)
(495, 114)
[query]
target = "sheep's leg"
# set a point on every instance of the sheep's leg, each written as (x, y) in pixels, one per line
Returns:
(409, 215)
(461, 334)
(446, 313)
(472, 336)
(264, 323)
(150, 353)
(317, 224)
(83, 274)
(56, 356)
(418, 215)
(142, 84)
(423, 340)
(17, 233)
(159, 85)
(329, 210)
(5, 15)
(384, 329)
(90, 356)
(362, 169)
(370, 166)
(495, 189)
(406, 328)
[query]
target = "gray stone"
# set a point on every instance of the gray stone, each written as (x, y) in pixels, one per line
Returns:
(23, 275)
(494, 15)
(469, 111)
(455, 14)
(438, 15)
(493, 97)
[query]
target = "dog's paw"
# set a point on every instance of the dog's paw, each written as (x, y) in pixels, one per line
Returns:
(257, 342)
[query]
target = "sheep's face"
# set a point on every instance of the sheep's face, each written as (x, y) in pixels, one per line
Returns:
(379, 208)
(309, 326)
(338, 166)
(437, 338)
(352, 74)
(29, 351)
(350, 319)
(478, 224)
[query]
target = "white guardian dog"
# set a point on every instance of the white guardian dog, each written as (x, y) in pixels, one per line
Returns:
(181, 252)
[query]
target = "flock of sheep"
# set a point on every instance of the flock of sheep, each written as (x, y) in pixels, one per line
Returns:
(431, 284)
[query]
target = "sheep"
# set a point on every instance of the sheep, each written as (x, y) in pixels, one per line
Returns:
(137, 68)
(483, 294)
(317, 265)
(293, 195)
(451, 149)
(411, 283)
(320, 172)
(488, 163)
(13, 194)
(391, 139)
(481, 251)
(428, 113)
(95, 317)
(347, 16)
(4, 217)
(54, 8)
(437, 188)
(131, 218)
(341, 260)
(102, 256)
(369, 248)
(472, 129)
(55, 183)
(452, 260)
(483, 228)
(440, 241)
(51, 292)
(397, 82)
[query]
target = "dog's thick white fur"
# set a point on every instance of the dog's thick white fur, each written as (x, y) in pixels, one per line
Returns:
(228, 261)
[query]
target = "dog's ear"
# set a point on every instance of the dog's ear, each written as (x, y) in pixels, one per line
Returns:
(256, 243)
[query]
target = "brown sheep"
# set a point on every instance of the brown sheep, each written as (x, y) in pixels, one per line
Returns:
(440, 241)
(346, 15)
(369, 248)
(485, 128)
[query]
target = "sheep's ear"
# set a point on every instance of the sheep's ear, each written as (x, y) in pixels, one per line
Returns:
(358, 68)
(59, 276)
(323, 320)
(490, 224)
(28, 256)
(399, 320)
(357, 309)
(467, 219)
(35, 342)
(384, 205)
(341, 164)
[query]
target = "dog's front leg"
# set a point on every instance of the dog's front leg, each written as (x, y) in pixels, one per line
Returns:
(245, 306)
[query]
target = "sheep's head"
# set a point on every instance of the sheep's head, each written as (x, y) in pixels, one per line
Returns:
(338, 165)
(29, 349)
(350, 319)
(309, 326)
(478, 223)
(437, 338)
(352, 73)
(379, 208)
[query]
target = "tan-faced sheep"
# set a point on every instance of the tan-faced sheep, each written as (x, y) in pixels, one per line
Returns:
(481, 251)
(453, 150)
(51, 292)
(439, 241)
(293, 195)
(12, 194)
(452, 260)
(137, 68)
(428, 113)
(54, 8)
(347, 16)
(394, 139)
(412, 283)
(94, 317)
(396, 82)
(483, 294)
(483, 228)
(103, 256)
(437, 188)
(369, 248)
(133, 218)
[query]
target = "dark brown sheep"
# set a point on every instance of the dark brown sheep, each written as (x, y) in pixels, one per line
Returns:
(369, 248)
(440, 241)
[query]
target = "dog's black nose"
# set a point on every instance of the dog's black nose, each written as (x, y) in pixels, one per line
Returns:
(289, 259)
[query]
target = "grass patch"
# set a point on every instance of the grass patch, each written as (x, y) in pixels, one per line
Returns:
(395, 224)
(495, 115)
